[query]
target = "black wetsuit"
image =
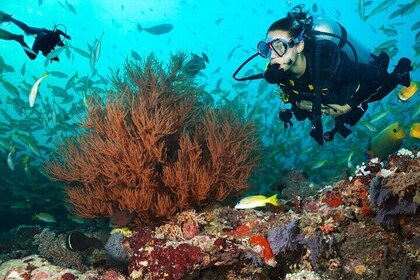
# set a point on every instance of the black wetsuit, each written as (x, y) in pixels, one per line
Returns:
(341, 80)
(45, 41)
(331, 77)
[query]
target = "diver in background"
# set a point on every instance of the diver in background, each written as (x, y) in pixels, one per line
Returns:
(45, 40)
(317, 77)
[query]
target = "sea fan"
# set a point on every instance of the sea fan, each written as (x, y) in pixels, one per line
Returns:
(388, 205)
(285, 238)
(314, 244)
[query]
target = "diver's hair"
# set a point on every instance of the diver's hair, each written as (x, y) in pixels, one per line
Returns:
(295, 21)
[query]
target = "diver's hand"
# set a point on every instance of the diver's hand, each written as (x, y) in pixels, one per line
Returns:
(63, 34)
(335, 110)
(402, 71)
(304, 105)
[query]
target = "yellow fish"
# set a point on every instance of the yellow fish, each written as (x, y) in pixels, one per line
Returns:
(388, 141)
(415, 130)
(45, 217)
(256, 201)
(407, 92)
(124, 230)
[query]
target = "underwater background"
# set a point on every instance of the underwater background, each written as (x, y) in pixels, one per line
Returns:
(227, 32)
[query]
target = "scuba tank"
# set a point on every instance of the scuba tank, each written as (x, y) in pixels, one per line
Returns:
(324, 28)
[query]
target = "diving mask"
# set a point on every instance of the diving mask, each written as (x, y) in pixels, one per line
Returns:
(279, 45)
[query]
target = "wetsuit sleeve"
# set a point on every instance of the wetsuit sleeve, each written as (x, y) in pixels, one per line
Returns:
(353, 72)
(63, 34)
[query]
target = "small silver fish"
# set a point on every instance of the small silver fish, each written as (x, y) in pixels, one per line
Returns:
(10, 161)
(34, 90)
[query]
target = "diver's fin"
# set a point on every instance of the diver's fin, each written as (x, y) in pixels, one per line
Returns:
(5, 17)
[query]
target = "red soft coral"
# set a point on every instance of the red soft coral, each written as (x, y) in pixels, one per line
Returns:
(153, 149)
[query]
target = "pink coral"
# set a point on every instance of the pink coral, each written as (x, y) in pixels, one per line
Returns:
(190, 229)
(152, 258)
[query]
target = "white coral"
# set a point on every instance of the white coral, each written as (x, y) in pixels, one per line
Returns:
(303, 274)
(405, 152)
(386, 173)
(361, 170)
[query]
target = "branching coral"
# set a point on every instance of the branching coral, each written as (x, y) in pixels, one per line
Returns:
(152, 149)
(184, 225)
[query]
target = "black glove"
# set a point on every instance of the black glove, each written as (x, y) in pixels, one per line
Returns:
(273, 75)
(402, 71)
(285, 116)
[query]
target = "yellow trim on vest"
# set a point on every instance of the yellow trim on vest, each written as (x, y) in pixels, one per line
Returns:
(295, 91)
(311, 87)
(284, 97)
(292, 83)
(358, 87)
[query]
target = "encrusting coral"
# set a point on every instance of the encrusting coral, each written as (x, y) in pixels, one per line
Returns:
(152, 148)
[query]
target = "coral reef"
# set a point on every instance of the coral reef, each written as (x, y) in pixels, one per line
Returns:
(393, 193)
(153, 149)
(332, 235)
(37, 268)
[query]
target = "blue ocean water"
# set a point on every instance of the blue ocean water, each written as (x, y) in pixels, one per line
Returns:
(226, 31)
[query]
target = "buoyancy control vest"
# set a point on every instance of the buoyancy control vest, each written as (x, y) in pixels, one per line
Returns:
(325, 31)
(318, 28)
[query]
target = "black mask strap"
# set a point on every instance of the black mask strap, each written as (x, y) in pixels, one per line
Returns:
(252, 77)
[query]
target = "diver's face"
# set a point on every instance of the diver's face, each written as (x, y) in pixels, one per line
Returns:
(289, 59)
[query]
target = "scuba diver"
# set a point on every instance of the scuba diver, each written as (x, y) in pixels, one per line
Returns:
(322, 70)
(45, 40)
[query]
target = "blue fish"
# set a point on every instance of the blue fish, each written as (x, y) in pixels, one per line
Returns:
(156, 29)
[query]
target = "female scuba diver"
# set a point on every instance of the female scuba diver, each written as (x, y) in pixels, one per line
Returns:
(45, 41)
(322, 72)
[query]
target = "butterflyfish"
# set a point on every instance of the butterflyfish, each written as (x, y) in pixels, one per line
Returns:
(407, 92)
(78, 241)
